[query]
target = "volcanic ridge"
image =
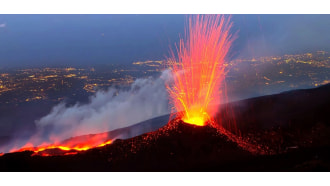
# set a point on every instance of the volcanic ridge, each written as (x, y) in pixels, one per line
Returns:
(283, 132)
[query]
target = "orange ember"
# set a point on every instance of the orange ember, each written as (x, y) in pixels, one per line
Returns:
(82, 143)
(199, 69)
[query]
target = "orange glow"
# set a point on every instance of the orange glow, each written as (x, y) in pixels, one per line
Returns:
(199, 69)
(71, 153)
(82, 143)
(199, 121)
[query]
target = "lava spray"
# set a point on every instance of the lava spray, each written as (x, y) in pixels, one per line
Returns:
(199, 68)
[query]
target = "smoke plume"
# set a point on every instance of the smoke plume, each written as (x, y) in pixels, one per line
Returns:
(107, 110)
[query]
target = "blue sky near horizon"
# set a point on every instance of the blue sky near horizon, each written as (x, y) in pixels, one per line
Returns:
(32, 40)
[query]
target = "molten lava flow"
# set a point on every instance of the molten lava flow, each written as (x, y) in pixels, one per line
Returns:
(199, 68)
(74, 144)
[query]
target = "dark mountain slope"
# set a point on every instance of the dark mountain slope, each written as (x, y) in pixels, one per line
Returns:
(290, 129)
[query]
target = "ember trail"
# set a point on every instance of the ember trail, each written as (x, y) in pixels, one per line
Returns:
(199, 68)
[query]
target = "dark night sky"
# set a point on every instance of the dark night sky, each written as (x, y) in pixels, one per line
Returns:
(32, 40)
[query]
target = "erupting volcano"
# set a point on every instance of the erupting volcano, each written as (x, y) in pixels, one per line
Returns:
(199, 68)
(198, 88)
(281, 132)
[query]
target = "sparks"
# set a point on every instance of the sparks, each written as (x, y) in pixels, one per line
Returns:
(199, 69)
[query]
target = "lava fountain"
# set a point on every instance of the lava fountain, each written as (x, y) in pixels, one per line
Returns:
(199, 68)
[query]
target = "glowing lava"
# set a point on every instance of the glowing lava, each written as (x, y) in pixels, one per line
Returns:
(199, 121)
(81, 143)
(199, 68)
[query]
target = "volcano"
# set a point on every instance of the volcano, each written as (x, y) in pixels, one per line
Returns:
(283, 132)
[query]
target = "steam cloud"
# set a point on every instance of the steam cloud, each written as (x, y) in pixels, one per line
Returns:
(113, 109)
(107, 110)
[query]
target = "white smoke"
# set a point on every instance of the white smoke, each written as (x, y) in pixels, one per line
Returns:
(108, 110)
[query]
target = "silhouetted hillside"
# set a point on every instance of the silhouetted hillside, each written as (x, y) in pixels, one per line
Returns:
(289, 130)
